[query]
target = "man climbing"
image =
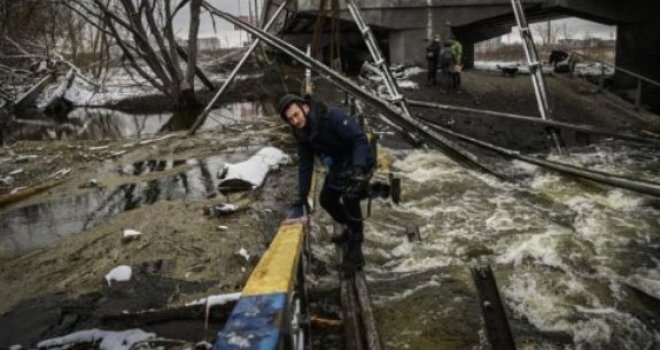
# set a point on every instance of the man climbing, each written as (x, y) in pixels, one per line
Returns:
(340, 142)
(457, 49)
(432, 55)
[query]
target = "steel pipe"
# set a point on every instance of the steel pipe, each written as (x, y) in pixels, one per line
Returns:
(534, 120)
(641, 186)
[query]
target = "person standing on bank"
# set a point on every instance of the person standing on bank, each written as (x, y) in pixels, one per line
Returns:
(338, 139)
(447, 67)
(432, 56)
(457, 49)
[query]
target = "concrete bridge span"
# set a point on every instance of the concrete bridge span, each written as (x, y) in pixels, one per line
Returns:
(403, 27)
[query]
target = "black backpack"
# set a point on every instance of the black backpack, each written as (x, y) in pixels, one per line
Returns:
(432, 52)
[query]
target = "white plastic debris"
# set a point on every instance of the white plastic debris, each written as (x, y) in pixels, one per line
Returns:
(219, 299)
(99, 148)
(6, 181)
(242, 252)
(122, 273)
(130, 233)
(222, 228)
(252, 172)
(16, 172)
(108, 340)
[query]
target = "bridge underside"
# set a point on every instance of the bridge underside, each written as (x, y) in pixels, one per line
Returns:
(403, 27)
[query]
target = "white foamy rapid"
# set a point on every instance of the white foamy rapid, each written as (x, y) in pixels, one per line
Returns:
(566, 254)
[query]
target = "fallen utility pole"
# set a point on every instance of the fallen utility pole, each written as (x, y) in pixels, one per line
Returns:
(451, 149)
(535, 120)
(202, 117)
(540, 89)
(641, 186)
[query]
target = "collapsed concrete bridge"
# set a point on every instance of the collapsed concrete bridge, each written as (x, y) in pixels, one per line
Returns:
(404, 26)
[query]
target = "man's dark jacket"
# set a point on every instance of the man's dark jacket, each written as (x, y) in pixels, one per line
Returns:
(338, 139)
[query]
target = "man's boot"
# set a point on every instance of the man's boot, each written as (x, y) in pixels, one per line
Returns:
(340, 238)
(353, 258)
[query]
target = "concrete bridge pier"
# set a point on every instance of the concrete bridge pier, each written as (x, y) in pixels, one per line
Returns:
(638, 50)
(407, 46)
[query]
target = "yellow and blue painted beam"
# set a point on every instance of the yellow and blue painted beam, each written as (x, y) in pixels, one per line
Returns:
(258, 320)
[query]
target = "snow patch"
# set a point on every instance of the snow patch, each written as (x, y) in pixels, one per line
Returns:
(108, 340)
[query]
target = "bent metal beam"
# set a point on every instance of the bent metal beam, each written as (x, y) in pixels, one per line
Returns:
(450, 148)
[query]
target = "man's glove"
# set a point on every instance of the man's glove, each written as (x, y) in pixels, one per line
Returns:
(357, 186)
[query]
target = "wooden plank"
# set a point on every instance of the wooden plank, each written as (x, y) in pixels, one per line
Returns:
(371, 334)
(276, 270)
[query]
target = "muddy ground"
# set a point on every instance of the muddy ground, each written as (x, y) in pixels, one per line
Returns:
(572, 100)
(183, 255)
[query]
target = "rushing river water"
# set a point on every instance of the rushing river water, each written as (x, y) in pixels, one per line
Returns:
(576, 265)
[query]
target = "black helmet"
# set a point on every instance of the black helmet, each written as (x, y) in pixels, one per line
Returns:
(288, 99)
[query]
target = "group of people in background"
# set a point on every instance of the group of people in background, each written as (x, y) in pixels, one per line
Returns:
(448, 58)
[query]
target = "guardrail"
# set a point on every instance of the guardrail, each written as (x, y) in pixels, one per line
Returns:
(640, 78)
(272, 311)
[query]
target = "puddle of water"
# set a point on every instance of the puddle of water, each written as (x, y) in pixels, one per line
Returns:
(100, 123)
(38, 225)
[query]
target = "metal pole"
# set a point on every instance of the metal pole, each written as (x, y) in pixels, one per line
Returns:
(379, 60)
(536, 72)
(534, 120)
(497, 325)
(308, 73)
(638, 95)
(200, 119)
(641, 186)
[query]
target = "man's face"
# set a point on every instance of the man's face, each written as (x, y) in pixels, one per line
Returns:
(296, 115)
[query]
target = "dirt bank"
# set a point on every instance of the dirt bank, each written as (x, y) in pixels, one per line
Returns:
(181, 255)
(486, 90)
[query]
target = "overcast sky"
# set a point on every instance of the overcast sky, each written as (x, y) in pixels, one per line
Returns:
(576, 28)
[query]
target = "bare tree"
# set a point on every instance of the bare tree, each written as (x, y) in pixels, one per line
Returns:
(547, 33)
(143, 31)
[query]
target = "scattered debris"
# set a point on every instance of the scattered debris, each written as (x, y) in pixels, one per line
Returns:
(106, 340)
(25, 158)
(6, 181)
(251, 173)
(99, 148)
(243, 252)
(122, 273)
(220, 209)
(16, 172)
(130, 235)
(222, 228)
(412, 232)
(320, 322)
(90, 184)
(60, 174)
(219, 299)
